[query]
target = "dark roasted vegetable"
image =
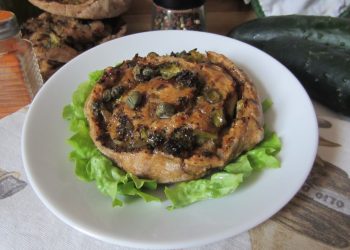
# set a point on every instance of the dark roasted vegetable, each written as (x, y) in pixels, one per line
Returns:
(321, 29)
(181, 142)
(155, 139)
(188, 79)
(192, 55)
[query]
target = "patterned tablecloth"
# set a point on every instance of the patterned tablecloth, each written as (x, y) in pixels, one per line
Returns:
(318, 217)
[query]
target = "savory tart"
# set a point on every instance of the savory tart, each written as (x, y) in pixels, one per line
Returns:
(175, 117)
(85, 9)
(58, 39)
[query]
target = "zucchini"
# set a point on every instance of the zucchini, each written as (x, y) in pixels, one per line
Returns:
(322, 29)
(323, 70)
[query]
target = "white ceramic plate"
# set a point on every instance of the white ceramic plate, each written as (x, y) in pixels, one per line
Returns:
(151, 225)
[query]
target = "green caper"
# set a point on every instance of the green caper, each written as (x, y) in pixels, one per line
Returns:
(144, 134)
(196, 56)
(143, 73)
(134, 99)
(147, 72)
(96, 108)
(137, 144)
(165, 110)
(218, 118)
(169, 70)
(106, 95)
(202, 137)
(117, 91)
(152, 54)
(212, 95)
(240, 105)
(118, 142)
(54, 40)
(136, 71)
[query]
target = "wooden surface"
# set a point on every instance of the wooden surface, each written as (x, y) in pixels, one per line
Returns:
(304, 223)
(221, 16)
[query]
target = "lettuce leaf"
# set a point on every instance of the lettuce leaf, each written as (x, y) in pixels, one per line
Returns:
(266, 104)
(186, 193)
(90, 164)
(264, 155)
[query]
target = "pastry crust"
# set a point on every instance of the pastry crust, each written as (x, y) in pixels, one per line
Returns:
(89, 9)
(242, 131)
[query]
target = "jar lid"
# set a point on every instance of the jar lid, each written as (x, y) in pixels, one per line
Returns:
(179, 4)
(8, 24)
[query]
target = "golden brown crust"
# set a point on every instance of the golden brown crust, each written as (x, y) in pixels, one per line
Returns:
(89, 9)
(243, 133)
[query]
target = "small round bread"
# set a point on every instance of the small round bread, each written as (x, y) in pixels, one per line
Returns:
(84, 9)
(176, 117)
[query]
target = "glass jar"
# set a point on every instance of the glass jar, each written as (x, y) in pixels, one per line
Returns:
(20, 78)
(178, 15)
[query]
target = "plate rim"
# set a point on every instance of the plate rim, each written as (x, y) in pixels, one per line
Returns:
(212, 238)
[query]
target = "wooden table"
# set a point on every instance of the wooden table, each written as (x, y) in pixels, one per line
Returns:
(221, 16)
(303, 223)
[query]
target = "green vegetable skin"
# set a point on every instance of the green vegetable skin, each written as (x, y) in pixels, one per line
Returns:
(91, 165)
(323, 70)
(320, 29)
(315, 49)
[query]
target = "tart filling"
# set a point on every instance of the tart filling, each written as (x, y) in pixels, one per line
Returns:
(175, 117)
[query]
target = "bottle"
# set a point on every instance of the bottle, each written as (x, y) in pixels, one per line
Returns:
(178, 15)
(20, 78)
